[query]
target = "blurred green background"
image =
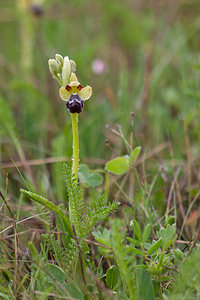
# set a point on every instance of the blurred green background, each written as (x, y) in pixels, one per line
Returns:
(138, 56)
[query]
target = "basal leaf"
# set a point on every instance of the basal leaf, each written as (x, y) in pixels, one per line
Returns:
(48, 204)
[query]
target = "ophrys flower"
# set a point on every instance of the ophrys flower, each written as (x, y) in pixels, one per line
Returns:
(74, 93)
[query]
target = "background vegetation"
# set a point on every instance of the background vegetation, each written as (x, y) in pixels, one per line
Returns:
(146, 95)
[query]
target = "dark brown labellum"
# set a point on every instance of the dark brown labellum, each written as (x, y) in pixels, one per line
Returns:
(75, 104)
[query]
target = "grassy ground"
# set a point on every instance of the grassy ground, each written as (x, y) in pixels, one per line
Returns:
(145, 245)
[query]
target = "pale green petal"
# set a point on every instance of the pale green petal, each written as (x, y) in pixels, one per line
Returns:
(73, 65)
(85, 93)
(66, 71)
(64, 94)
(73, 79)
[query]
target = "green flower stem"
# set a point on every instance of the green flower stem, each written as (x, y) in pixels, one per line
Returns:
(75, 160)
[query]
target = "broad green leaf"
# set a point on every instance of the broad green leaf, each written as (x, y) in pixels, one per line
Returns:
(137, 231)
(112, 277)
(89, 178)
(147, 245)
(133, 241)
(168, 235)
(136, 251)
(154, 247)
(48, 204)
(146, 233)
(74, 291)
(178, 254)
(145, 286)
(84, 247)
(134, 155)
(105, 239)
(83, 169)
(170, 220)
(117, 166)
(83, 173)
(58, 274)
(95, 180)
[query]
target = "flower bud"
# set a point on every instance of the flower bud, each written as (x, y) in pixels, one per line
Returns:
(53, 66)
(59, 59)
